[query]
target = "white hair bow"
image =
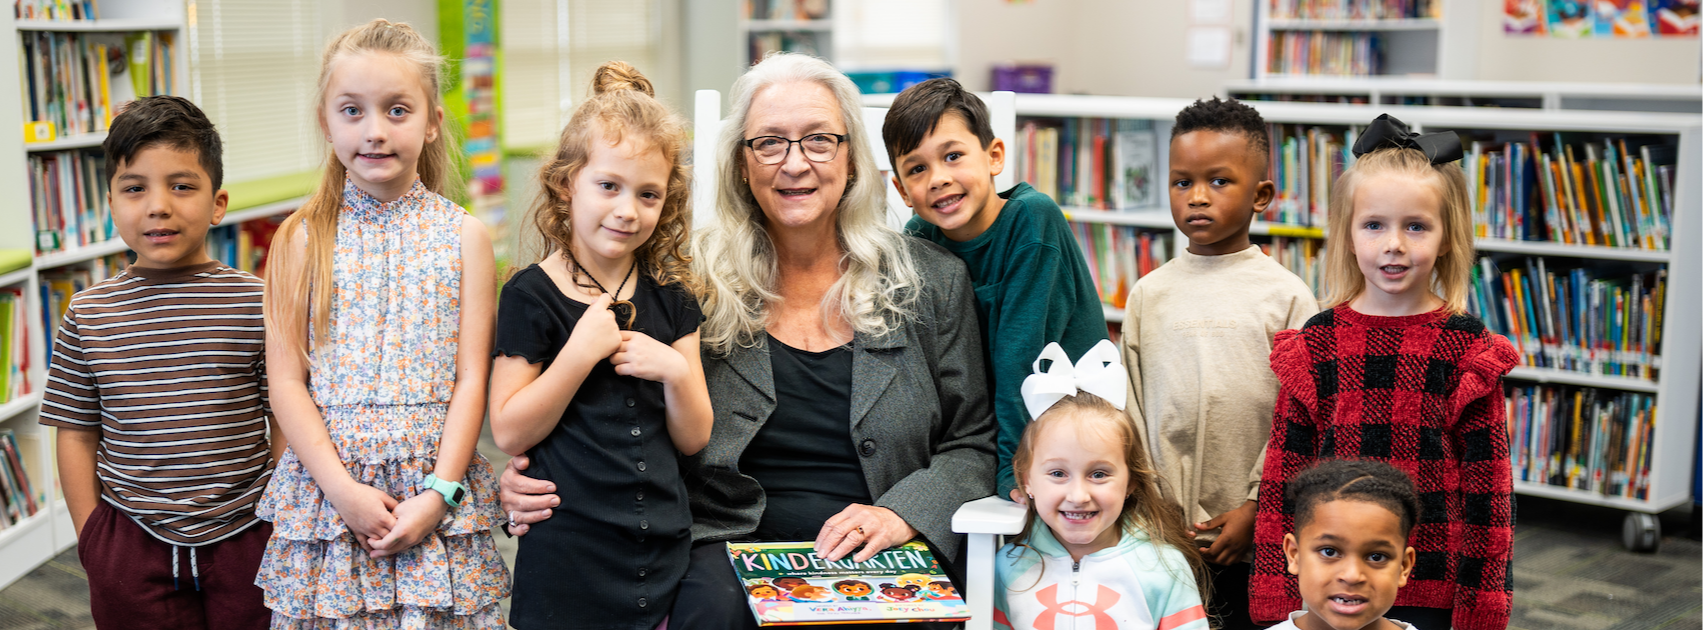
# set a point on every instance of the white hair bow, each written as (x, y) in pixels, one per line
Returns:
(1099, 372)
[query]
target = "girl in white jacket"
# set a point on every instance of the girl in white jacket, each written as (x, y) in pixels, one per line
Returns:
(1101, 549)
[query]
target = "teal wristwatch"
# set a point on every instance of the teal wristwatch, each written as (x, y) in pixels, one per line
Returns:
(452, 492)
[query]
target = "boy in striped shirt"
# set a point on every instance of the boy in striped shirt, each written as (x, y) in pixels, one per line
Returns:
(158, 388)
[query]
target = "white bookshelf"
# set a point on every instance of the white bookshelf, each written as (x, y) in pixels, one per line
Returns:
(1676, 390)
(1442, 46)
(37, 539)
(821, 29)
(1386, 90)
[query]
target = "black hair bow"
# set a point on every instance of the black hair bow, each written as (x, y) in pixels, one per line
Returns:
(1387, 131)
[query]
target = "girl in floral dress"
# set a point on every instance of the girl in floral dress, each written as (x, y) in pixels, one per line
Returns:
(379, 315)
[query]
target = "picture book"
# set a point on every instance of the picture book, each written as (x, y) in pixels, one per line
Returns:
(1675, 17)
(786, 584)
(1570, 18)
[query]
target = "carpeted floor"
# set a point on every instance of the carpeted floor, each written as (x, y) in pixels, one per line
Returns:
(1570, 573)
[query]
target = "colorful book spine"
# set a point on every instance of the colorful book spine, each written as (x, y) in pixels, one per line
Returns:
(1325, 53)
(1305, 162)
(1580, 319)
(79, 81)
(1092, 163)
(1582, 438)
(1119, 255)
(1305, 257)
(1354, 9)
(1617, 195)
(68, 199)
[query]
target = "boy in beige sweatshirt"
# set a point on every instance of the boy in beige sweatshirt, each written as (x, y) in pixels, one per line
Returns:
(1197, 337)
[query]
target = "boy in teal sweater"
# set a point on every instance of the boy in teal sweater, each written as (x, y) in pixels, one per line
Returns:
(1031, 281)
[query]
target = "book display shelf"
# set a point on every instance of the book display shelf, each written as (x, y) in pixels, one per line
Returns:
(1629, 97)
(805, 26)
(1588, 243)
(77, 69)
(1361, 38)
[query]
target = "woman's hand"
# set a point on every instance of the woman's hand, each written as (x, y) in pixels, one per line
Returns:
(595, 334)
(875, 528)
(642, 356)
(526, 500)
(415, 519)
(365, 511)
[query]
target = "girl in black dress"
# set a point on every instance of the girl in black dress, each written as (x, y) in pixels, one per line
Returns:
(602, 388)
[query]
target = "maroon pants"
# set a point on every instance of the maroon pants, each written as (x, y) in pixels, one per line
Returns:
(130, 578)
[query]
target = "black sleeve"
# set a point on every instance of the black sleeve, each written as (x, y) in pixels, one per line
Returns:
(683, 311)
(524, 326)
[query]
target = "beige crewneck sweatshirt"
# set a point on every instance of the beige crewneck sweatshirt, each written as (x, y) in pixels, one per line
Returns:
(1197, 338)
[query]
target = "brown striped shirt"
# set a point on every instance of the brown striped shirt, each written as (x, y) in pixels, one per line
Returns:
(168, 365)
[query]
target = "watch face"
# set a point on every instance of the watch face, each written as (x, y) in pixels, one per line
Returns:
(459, 494)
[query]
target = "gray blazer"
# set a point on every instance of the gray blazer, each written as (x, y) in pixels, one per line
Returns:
(921, 417)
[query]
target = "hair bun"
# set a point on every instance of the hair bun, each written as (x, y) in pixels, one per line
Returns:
(620, 75)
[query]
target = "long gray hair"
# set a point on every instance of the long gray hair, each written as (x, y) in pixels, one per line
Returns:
(736, 258)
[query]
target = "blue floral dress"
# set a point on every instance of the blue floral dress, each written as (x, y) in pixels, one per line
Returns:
(382, 381)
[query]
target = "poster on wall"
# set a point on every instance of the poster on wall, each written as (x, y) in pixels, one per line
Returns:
(1580, 19)
(468, 29)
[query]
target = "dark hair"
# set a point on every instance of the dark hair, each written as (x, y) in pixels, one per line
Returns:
(170, 121)
(1353, 480)
(918, 110)
(1231, 116)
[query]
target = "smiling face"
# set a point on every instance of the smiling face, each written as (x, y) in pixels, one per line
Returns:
(948, 179)
(379, 119)
(1351, 558)
(1217, 186)
(163, 202)
(1079, 481)
(617, 198)
(1397, 233)
(796, 193)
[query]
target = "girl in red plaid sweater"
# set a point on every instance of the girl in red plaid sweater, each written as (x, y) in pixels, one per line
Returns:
(1396, 371)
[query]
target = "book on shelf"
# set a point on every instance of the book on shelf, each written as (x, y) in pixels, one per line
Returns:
(1305, 162)
(68, 199)
(19, 496)
(786, 9)
(78, 81)
(1119, 255)
(1325, 53)
(787, 584)
(1578, 319)
(1610, 193)
(1355, 9)
(1092, 163)
(1582, 438)
(14, 344)
(1304, 257)
(807, 42)
(56, 9)
(244, 246)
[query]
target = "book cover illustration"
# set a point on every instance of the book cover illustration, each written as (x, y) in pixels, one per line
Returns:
(1675, 17)
(787, 584)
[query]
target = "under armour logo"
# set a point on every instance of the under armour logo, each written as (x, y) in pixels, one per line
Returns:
(1104, 599)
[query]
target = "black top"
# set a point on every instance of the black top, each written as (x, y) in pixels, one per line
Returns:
(622, 535)
(803, 455)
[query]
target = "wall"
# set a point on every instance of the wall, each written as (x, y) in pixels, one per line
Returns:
(420, 14)
(1504, 58)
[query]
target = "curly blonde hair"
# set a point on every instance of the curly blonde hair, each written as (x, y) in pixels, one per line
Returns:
(622, 105)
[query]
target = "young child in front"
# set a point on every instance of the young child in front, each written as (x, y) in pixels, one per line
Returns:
(1349, 552)
(1197, 336)
(1395, 371)
(597, 376)
(1101, 548)
(378, 336)
(1031, 281)
(158, 388)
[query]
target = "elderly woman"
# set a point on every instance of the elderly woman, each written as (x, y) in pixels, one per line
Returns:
(844, 359)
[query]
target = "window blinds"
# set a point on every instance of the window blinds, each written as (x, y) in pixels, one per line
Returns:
(894, 34)
(551, 49)
(254, 67)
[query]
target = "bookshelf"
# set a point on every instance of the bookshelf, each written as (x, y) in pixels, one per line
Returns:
(1468, 93)
(1668, 446)
(805, 26)
(35, 539)
(1361, 38)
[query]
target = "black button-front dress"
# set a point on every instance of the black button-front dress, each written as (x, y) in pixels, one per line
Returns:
(611, 556)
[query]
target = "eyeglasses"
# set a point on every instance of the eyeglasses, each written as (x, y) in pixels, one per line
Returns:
(818, 147)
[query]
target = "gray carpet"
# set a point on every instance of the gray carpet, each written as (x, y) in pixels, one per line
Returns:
(1570, 573)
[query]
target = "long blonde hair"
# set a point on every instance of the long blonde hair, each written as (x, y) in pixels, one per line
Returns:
(622, 104)
(1451, 275)
(309, 279)
(736, 258)
(1145, 509)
